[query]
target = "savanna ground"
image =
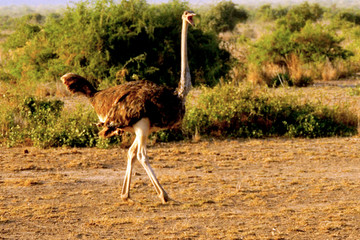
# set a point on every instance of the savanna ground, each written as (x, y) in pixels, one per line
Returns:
(230, 189)
(274, 188)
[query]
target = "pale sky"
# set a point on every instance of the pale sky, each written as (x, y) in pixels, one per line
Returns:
(197, 2)
(36, 3)
(66, 2)
(33, 2)
(47, 2)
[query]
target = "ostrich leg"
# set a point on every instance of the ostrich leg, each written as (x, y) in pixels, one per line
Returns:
(142, 129)
(125, 192)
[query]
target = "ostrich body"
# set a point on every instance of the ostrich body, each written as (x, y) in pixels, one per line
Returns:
(140, 107)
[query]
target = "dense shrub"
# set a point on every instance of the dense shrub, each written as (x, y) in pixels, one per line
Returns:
(111, 43)
(249, 112)
(314, 43)
(7, 22)
(26, 28)
(43, 123)
(223, 17)
(312, 46)
(296, 17)
(267, 13)
(350, 16)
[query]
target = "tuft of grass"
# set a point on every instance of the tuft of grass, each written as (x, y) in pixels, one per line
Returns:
(273, 75)
(299, 74)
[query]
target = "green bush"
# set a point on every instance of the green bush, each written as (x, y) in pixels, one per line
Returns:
(274, 47)
(245, 111)
(43, 123)
(25, 30)
(312, 46)
(267, 13)
(223, 17)
(350, 16)
(169, 135)
(110, 43)
(314, 43)
(296, 17)
(7, 22)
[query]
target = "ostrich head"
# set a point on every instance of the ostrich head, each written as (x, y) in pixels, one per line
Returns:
(188, 17)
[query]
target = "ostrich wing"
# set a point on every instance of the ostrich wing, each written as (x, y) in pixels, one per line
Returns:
(133, 101)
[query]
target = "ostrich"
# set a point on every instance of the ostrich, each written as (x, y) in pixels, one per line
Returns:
(140, 107)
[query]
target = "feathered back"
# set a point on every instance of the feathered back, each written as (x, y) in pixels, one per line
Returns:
(124, 105)
(78, 84)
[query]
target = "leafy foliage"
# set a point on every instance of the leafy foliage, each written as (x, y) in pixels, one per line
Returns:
(267, 13)
(224, 16)
(110, 43)
(24, 32)
(247, 112)
(350, 16)
(44, 124)
(312, 45)
(296, 17)
(222, 111)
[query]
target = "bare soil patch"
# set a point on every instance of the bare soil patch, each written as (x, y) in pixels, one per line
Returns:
(231, 189)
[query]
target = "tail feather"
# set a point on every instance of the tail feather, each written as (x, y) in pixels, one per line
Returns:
(77, 84)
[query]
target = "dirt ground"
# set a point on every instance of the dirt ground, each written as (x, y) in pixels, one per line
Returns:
(232, 189)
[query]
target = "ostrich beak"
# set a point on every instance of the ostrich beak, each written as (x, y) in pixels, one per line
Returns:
(190, 20)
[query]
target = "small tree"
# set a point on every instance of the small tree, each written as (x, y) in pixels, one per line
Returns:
(350, 16)
(313, 43)
(224, 16)
(267, 13)
(297, 17)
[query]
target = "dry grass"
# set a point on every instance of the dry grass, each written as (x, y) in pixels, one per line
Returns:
(297, 69)
(270, 72)
(234, 189)
(329, 72)
(7, 102)
(255, 75)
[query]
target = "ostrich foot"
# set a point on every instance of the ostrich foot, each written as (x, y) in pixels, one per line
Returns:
(164, 197)
(125, 197)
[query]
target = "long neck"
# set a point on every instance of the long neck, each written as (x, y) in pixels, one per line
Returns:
(185, 78)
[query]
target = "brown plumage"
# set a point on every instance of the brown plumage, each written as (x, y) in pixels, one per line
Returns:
(121, 106)
(140, 107)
